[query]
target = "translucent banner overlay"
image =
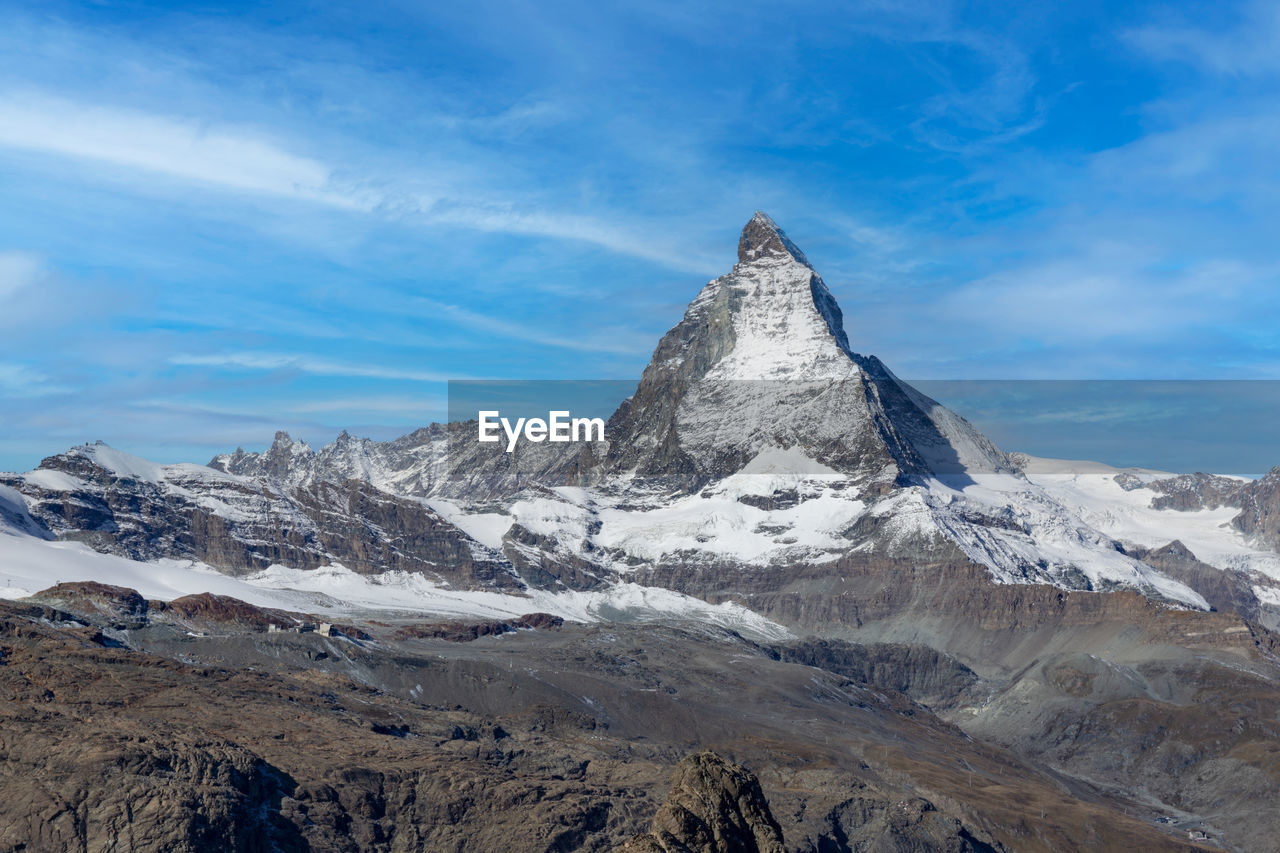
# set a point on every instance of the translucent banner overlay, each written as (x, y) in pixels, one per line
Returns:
(534, 398)
(1223, 427)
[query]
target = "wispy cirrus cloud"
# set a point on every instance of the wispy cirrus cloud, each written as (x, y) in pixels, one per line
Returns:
(306, 364)
(622, 340)
(424, 407)
(1243, 46)
(21, 380)
(190, 150)
(18, 271)
(245, 160)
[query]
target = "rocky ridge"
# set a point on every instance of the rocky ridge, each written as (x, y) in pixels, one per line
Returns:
(1258, 500)
(120, 504)
(714, 807)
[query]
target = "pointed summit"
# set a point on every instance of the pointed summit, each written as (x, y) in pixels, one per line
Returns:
(761, 362)
(761, 237)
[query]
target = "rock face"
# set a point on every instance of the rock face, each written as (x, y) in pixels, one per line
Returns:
(761, 360)
(913, 825)
(1260, 513)
(925, 674)
(120, 504)
(1257, 500)
(713, 807)
(464, 632)
(1224, 589)
(1198, 491)
(98, 791)
(119, 605)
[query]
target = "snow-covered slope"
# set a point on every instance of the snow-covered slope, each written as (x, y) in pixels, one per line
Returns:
(1093, 491)
(28, 565)
(1026, 533)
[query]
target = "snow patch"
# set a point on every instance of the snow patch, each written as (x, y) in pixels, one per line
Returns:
(790, 461)
(28, 565)
(487, 528)
(1100, 502)
(1268, 595)
(52, 480)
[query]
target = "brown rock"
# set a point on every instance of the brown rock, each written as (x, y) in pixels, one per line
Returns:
(714, 807)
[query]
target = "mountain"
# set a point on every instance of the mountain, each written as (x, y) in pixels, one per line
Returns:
(124, 505)
(756, 437)
(767, 493)
(760, 362)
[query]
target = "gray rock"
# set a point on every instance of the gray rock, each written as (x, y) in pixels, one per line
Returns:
(714, 807)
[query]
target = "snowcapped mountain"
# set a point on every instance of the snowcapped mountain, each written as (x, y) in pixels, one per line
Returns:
(122, 504)
(760, 362)
(409, 465)
(758, 447)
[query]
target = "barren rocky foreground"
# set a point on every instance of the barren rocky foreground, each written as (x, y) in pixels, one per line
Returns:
(139, 726)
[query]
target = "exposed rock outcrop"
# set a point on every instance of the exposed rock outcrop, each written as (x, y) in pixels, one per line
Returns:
(922, 673)
(1257, 500)
(465, 632)
(1188, 492)
(1224, 589)
(912, 825)
(1260, 515)
(124, 505)
(714, 807)
(117, 604)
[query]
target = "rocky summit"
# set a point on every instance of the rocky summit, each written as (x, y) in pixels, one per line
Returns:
(788, 603)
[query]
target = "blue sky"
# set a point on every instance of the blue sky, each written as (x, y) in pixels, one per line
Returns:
(221, 219)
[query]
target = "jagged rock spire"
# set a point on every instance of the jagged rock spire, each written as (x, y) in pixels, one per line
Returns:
(762, 236)
(761, 360)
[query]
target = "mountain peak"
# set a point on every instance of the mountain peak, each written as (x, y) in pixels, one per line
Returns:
(761, 361)
(761, 236)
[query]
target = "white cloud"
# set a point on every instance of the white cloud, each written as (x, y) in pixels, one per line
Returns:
(626, 241)
(20, 380)
(1248, 48)
(618, 341)
(18, 271)
(245, 161)
(306, 364)
(177, 147)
